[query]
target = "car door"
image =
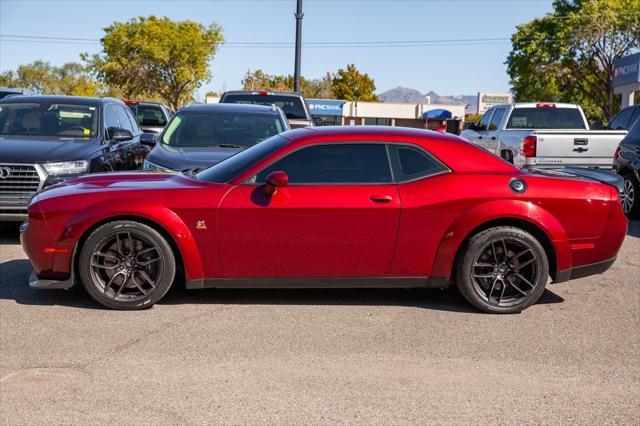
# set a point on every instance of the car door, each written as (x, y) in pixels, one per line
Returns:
(338, 217)
(114, 154)
(491, 139)
(129, 148)
(476, 136)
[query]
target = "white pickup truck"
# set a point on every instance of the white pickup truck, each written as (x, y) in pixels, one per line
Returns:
(544, 135)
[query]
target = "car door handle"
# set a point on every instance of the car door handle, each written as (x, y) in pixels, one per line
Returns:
(479, 137)
(379, 198)
(493, 138)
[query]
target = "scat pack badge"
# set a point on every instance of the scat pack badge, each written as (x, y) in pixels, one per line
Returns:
(201, 224)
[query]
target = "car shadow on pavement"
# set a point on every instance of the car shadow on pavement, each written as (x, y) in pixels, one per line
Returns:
(14, 285)
(634, 228)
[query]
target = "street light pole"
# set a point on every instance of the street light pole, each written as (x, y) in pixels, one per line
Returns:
(296, 72)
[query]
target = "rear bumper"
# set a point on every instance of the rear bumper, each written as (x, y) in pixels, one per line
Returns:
(584, 271)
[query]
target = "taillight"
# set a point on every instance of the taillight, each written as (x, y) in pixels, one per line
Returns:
(616, 154)
(529, 146)
(262, 93)
(130, 102)
(545, 105)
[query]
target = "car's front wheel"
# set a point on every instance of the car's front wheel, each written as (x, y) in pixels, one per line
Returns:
(126, 265)
(503, 270)
(630, 196)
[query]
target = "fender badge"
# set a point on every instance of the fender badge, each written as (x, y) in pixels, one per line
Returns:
(201, 224)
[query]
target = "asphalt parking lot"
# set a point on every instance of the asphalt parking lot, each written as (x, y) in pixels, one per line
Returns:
(320, 356)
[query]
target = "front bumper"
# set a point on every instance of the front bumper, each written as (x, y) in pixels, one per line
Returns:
(35, 282)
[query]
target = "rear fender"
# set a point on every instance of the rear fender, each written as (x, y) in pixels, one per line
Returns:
(495, 211)
(130, 208)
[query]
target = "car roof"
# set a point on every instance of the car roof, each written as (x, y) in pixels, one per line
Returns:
(237, 108)
(76, 100)
(255, 92)
(457, 153)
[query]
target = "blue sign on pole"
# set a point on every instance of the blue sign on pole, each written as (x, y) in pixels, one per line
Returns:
(626, 70)
(325, 107)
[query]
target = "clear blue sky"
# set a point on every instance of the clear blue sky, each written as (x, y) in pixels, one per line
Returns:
(448, 69)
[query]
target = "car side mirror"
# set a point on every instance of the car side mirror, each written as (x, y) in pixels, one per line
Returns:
(275, 180)
(471, 126)
(148, 139)
(117, 134)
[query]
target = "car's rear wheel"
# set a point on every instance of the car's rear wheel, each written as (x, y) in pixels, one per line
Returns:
(630, 196)
(503, 270)
(126, 265)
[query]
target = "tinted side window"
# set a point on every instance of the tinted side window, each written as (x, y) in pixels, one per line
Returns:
(633, 138)
(413, 163)
(110, 119)
(484, 121)
(334, 164)
(123, 118)
(635, 116)
(497, 118)
(621, 120)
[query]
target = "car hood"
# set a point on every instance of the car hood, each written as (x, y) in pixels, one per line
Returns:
(39, 149)
(175, 158)
(118, 182)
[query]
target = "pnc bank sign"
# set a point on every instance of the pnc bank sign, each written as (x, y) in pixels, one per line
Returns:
(626, 70)
(325, 107)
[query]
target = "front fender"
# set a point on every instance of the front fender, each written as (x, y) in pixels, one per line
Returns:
(113, 209)
(499, 210)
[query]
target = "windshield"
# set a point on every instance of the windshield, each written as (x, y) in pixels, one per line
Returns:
(148, 115)
(232, 166)
(546, 118)
(214, 129)
(291, 105)
(48, 119)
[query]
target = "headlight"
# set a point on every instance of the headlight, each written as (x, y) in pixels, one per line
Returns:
(148, 165)
(24, 226)
(66, 167)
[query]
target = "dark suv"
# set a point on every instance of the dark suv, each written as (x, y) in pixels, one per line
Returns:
(48, 139)
(151, 116)
(626, 161)
(625, 118)
(292, 104)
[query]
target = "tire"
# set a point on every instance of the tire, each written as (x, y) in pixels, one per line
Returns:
(630, 197)
(500, 284)
(118, 277)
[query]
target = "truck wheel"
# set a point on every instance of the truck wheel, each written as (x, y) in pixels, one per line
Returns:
(126, 265)
(630, 196)
(503, 270)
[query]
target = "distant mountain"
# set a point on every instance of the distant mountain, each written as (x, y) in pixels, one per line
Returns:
(408, 95)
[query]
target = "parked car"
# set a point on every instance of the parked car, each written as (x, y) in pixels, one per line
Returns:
(202, 135)
(329, 207)
(48, 139)
(625, 118)
(151, 116)
(627, 163)
(292, 104)
(14, 91)
(544, 135)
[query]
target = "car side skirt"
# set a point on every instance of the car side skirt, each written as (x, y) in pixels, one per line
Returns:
(328, 282)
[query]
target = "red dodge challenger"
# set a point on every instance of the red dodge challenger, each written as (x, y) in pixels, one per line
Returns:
(329, 207)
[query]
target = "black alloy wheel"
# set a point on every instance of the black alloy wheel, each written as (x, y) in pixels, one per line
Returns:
(504, 270)
(629, 197)
(126, 265)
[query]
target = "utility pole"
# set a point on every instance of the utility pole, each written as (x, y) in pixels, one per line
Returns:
(296, 72)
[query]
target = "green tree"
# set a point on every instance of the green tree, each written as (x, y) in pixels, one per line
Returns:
(71, 78)
(315, 88)
(352, 85)
(568, 55)
(149, 56)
